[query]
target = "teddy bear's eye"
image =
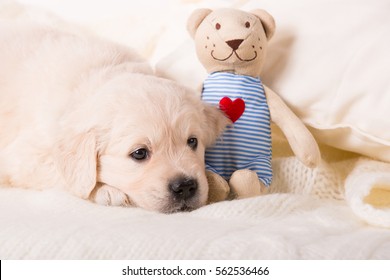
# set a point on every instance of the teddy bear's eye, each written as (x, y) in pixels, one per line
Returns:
(247, 24)
(217, 26)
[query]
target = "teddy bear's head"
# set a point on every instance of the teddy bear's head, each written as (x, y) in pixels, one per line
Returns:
(231, 40)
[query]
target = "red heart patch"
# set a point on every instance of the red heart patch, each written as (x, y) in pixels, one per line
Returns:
(233, 109)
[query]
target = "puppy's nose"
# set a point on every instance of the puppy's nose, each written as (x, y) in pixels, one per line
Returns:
(183, 187)
(234, 44)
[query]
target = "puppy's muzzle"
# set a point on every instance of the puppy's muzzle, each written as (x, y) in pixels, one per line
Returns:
(183, 188)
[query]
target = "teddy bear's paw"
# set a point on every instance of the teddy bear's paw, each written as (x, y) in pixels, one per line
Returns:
(245, 183)
(109, 196)
(218, 187)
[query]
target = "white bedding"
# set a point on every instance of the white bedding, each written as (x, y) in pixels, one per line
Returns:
(53, 225)
(324, 213)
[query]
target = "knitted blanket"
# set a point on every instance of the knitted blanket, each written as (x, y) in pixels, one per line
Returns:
(363, 183)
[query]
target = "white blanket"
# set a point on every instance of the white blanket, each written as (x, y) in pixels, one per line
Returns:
(331, 212)
(53, 225)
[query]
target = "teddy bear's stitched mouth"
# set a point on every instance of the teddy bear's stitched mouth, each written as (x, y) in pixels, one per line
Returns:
(226, 58)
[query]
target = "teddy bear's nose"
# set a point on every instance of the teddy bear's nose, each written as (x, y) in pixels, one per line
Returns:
(234, 44)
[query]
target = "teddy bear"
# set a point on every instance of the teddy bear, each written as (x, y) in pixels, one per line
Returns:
(232, 45)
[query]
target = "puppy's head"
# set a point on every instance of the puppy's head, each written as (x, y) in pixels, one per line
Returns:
(146, 137)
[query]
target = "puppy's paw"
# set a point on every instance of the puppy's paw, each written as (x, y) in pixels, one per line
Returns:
(106, 195)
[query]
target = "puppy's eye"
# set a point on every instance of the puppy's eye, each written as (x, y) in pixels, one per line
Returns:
(217, 26)
(140, 154)
(192, 143)
(247, 24)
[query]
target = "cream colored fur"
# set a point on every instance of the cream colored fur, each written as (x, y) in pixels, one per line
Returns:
(212, 30)
(74, 108)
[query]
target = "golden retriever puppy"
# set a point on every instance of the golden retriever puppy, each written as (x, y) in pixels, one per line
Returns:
(87, 115)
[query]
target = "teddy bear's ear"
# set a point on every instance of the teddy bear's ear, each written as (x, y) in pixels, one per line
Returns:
(196, 19)
(267, 21)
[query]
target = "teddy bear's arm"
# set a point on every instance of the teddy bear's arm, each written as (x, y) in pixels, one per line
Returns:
(299, 137)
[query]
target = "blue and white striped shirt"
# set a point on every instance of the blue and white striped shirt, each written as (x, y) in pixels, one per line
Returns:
(247, 143)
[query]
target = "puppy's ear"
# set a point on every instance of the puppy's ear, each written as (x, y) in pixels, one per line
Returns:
(76, 159)
(196, 19)
(267, 21)
(216, 122)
